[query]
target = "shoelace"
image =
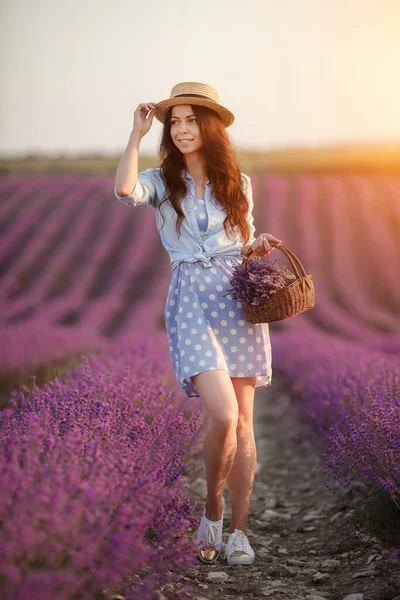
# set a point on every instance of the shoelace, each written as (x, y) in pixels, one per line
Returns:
(211, 533)
(239, 542)
(212, 530)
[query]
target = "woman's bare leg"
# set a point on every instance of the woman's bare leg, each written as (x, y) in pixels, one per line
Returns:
(242, 474)
(219, 399)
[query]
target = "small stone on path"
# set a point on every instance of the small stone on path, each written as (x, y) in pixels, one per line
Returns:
(320, 577)
(312, 516)
(295, 562)
(330, 565)
(369, 573)
(270, 514)
(218, 576)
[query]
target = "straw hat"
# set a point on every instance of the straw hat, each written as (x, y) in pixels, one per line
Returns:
(194, 92)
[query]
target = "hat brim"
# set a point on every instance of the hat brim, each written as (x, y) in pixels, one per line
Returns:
(162, 107)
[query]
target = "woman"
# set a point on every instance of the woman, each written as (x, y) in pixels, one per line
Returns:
(204, 215)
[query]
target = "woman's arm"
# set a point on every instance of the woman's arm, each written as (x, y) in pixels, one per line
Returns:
(247, 189)
(127, 172)
(259, 245)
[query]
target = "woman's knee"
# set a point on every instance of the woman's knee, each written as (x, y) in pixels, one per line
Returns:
(224, 423)
(245, 424)
(244, 389)
(219, 400)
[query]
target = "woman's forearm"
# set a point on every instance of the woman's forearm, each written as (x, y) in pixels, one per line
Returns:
(127, 172)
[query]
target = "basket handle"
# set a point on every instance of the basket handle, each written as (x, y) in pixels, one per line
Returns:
(293, 259)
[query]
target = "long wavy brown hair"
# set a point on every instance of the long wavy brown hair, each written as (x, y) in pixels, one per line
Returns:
(222, 171)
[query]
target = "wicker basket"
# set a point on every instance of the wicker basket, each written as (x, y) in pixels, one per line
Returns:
(295, 298)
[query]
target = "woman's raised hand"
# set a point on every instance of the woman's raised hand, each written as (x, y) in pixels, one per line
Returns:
(143, 117)
(261, 246)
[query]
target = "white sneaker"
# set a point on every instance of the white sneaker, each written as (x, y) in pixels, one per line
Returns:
(238, 550)
(209, 537)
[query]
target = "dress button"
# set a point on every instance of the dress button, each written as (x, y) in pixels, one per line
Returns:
(194, 227)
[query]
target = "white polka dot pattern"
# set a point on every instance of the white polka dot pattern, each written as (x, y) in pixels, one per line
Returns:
(203, 319)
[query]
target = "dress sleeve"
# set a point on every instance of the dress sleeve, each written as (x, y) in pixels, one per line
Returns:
(144, 192)
(247, 189)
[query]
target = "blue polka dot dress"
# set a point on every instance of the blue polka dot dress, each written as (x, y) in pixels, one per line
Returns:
(208, 330)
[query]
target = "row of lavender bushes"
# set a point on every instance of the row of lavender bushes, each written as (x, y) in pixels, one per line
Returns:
(91, 492)
(350, 398)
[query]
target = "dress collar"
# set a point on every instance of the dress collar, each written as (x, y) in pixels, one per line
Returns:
(190, 178)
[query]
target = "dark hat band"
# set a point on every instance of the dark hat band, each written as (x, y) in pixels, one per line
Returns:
(193, 96)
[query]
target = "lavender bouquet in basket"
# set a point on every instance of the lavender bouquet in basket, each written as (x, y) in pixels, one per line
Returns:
(258, 280)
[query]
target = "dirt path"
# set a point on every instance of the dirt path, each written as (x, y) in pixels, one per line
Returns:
(300, 531)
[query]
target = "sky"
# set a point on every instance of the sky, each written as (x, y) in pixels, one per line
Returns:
(295, 73)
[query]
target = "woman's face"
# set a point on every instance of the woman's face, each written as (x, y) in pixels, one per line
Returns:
(184, 126)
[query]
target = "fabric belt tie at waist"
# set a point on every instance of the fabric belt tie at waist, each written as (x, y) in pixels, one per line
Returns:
(204, 258)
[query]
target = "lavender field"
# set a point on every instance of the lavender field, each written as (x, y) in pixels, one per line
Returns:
(100, 449)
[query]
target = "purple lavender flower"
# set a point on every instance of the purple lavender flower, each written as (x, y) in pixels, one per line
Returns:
(258, 280)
